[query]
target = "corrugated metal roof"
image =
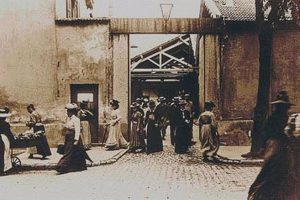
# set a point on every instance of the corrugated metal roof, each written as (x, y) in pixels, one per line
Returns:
(235, 10)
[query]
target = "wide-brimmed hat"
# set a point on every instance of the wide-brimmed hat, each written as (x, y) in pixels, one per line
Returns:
(176, 99)
(282, 98)
(4, 113)
(160, 99)
(134, 105)
(139, 100)
(71, 106)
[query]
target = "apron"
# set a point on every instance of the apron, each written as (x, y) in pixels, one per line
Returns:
(7, 153)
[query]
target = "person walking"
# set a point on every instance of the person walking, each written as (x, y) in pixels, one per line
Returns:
(182, 134)
(136, 140)
(209, 138)
(115, 138)
(277, 178)
(6, 142)
(154, 139)
(74, 158)
(85, 117)
(162, 114)
(190, 107)
(173, 113)
(35, 123)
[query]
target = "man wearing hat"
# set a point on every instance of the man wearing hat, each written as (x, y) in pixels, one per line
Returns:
(6, 141)
(277, 178)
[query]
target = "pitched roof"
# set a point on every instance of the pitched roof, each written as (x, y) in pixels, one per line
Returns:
(234, 10)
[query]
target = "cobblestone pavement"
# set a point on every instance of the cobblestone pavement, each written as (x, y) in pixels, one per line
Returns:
(163, 175)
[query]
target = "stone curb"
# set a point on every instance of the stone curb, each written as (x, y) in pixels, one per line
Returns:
(52, 166)
(247, 162)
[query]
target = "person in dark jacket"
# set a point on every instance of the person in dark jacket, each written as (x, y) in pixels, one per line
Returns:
(276, 180)
(182, 130)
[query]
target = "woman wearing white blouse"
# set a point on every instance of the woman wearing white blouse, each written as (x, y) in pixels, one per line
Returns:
(115, 138)
(75, 155)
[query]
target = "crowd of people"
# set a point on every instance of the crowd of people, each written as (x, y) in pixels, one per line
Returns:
(150, 119)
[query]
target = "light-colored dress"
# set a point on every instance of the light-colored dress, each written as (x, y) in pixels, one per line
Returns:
(208, 133)
(7, 153)
(115, 138)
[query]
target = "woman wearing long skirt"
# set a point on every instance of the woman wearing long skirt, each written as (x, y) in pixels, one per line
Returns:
(6, 141)
(154, 139)
(276, 180)
(182, 131)
(85, 117)
(35, 123)
(74, 158)
(136, 140)
(208, 132)
(115, 139)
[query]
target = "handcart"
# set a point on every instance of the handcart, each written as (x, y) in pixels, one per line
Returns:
(28, 139)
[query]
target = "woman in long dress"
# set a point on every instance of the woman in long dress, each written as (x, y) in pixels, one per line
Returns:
(85, 117)
(136, 140)
(182, 134)
(6, 141)
(74, 158)
(154, 139)
(276, 180)
(208, 132)
(115, 139)
(35, 123)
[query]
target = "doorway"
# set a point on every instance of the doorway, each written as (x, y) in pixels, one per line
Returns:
(89, 93)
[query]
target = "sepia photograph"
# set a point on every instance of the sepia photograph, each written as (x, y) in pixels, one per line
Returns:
(150, 99)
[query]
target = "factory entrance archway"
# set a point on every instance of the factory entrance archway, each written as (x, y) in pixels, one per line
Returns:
(121, 29)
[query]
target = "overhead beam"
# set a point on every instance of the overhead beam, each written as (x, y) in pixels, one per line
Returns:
(161, 26)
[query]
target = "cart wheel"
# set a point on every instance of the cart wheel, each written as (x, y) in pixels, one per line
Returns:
(16, 162)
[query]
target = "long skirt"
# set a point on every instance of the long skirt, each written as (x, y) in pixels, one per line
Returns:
(86, 135)
(154, 140)
(115, 138)
(5, 160)
(135, 139)
(43, 147)
(276, 180)
(209, 140)
(182, 137)
(74, 157)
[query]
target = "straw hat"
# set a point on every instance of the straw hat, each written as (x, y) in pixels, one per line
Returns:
(71, 106)
(4, 113)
